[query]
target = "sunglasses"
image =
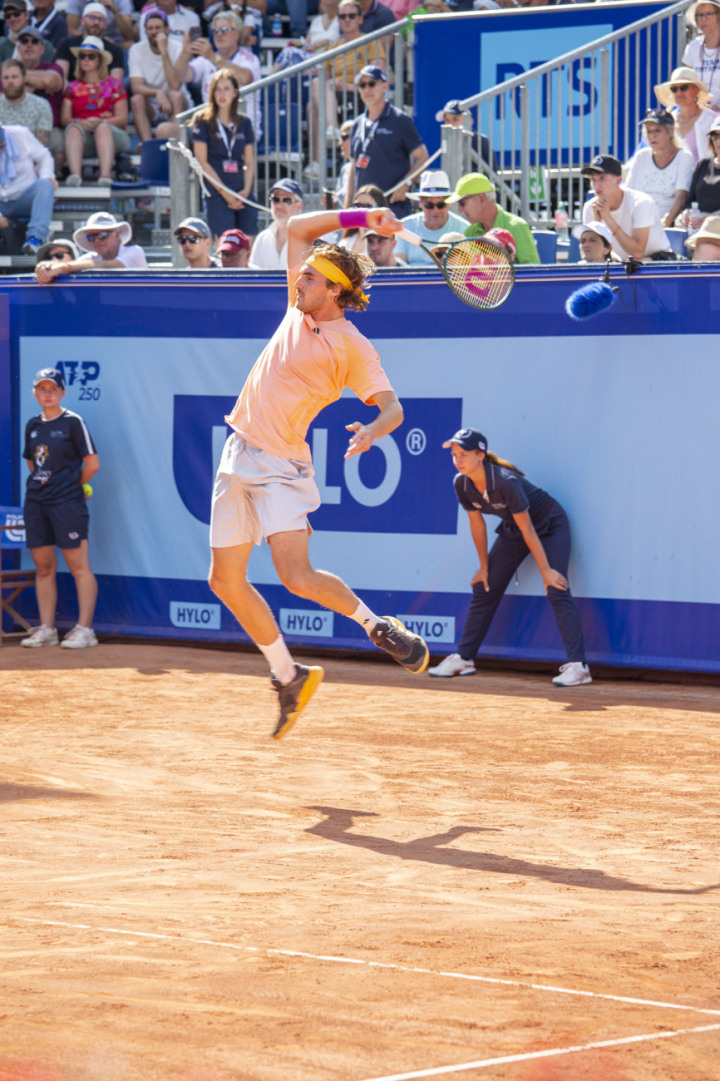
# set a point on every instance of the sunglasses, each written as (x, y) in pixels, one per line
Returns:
(365, 206)
(101, 235)
(368, 82)
(13, 14)
(286, 199)
(220, 31)
(347, 18)
(430, 205)
(28, 40)
(89, 56)
(189, 239)
(59, 254)
(681, 86)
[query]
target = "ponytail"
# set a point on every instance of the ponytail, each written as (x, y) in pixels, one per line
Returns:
(501, 461)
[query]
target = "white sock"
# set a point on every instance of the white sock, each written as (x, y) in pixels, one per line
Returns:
(365, 617)
(278, 657)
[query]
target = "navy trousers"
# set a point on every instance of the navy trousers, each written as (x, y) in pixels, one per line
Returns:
(506, 555)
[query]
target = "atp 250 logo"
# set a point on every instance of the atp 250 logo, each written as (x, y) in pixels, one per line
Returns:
(81, 375)
(403, 484)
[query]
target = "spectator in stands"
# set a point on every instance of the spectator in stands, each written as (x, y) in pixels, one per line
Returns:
(229, 34)
(445, 242)
(452, 113)
(340, 193)
(298, 10)
(705, 244)
(94, 113)
(269, 252)
(385, 145)
(93, 24)
(49, 21)
(179, 20)
(631, 216)
(702, 53)
(432, 220)
(595, 241)
(224, 144)
(118, 14)
(17, 18)
(156, 67)
(664, 168)
(44, 78)
(705, 182)
(381, 250)
(234, 249)
(27, 184)
(475, 197)
(366, 198)
(375, 15)
(250, 11)
(105, 244)
(57, 250)
(324, 31)
(195, 240)
(686, 95)
(19, 107)
(504, 240)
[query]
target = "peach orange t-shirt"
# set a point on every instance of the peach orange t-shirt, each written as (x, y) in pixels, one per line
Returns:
(304, 367)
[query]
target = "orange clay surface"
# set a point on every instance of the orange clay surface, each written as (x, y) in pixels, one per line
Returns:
(476, 878)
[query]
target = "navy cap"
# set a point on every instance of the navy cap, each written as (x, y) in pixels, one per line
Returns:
(604, 163)
(288, 185)
(658, 116)
(468, 439)
(51, 375)
(453, 107)
(371, 71)
(194, 225)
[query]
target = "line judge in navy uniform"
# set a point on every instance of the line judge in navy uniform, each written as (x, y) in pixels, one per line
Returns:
(530, 521)
(385, 145)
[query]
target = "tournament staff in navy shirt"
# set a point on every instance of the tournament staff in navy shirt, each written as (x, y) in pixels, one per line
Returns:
(531, 521)
(61, 458)
(385, 145)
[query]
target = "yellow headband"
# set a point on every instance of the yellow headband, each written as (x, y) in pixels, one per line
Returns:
(335, 274)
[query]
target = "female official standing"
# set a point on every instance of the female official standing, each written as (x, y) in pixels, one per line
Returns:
(532, 521)
(61, 458)
(223, 142)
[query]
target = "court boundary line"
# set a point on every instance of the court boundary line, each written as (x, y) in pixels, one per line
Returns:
(480, 1064)
(388, 965)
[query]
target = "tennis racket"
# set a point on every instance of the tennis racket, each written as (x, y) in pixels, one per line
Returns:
(479, 272)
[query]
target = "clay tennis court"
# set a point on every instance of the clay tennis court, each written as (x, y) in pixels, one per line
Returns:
(482, 877)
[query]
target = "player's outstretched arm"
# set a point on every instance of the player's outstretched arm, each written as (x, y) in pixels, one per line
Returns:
(387, 420)
(303, 229)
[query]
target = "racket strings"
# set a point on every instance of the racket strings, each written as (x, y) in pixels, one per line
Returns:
(480, 273)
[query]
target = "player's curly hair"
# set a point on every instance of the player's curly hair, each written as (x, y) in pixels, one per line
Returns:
(357, 268)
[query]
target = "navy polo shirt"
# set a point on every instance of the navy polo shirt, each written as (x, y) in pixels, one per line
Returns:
(377, 16)
(507, 494)
(57, 449)
(381, 150)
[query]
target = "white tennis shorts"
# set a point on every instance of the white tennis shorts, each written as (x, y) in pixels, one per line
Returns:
(257, 494)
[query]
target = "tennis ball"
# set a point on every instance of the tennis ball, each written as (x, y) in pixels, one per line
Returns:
(87, 489)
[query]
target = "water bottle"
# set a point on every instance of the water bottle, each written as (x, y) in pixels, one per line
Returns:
(277, 27)
(695, 218)
(561, 222)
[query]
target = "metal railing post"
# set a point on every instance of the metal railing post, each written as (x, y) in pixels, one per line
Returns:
(604, 134)
(455, 157)
(179, 177)
(525, 151)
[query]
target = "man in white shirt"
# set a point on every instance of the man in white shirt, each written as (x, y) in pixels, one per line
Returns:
(156, 66)
(180, 20)
(105, 243)
(434, 217)
(27, 184)
(631, 216)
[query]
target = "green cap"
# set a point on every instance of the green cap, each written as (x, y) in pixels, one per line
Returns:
(470, 184)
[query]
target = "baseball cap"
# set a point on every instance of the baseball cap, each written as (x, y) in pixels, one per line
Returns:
(468, 439)
(453, 107)
(94, 9)
(155, 13)
(233, 240)
(470, 184)
(504, 238)
(603, 163)
(15, 5)
(51, 375)
(371, 71)
(288, 185)
(598, 227)
(658, 116)
(194, 225)
(30, 31)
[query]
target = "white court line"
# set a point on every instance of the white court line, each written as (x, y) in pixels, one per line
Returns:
(482, 1063)
(371, 964)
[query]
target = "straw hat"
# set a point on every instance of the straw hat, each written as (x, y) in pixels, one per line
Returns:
(679, 76)
(709, 230)
(91, 44)
(690, 13)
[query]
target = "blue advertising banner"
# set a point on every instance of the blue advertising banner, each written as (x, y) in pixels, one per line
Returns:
(602, 415)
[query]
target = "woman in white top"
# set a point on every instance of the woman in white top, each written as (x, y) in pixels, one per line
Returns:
(269, 252)
(686, 96)
(703, 52)
(663, 169)
(324, 30)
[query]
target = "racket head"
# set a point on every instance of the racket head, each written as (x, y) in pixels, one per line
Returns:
(479, 272)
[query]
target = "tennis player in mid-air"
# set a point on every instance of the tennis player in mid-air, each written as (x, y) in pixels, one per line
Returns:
(264, 485)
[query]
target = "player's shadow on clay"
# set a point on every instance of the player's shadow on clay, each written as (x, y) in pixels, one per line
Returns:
(338, 822)
(9, 793)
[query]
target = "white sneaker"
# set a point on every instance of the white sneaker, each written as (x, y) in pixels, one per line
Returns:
(573, 674)
(453, 665)
(79, 638)
(312, 170)
(40, 636)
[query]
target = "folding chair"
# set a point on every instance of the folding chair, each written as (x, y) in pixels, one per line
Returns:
(13, 582)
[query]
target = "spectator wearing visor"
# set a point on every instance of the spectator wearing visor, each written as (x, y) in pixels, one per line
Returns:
(663, 169)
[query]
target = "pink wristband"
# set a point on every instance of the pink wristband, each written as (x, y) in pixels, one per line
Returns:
(353, 219)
